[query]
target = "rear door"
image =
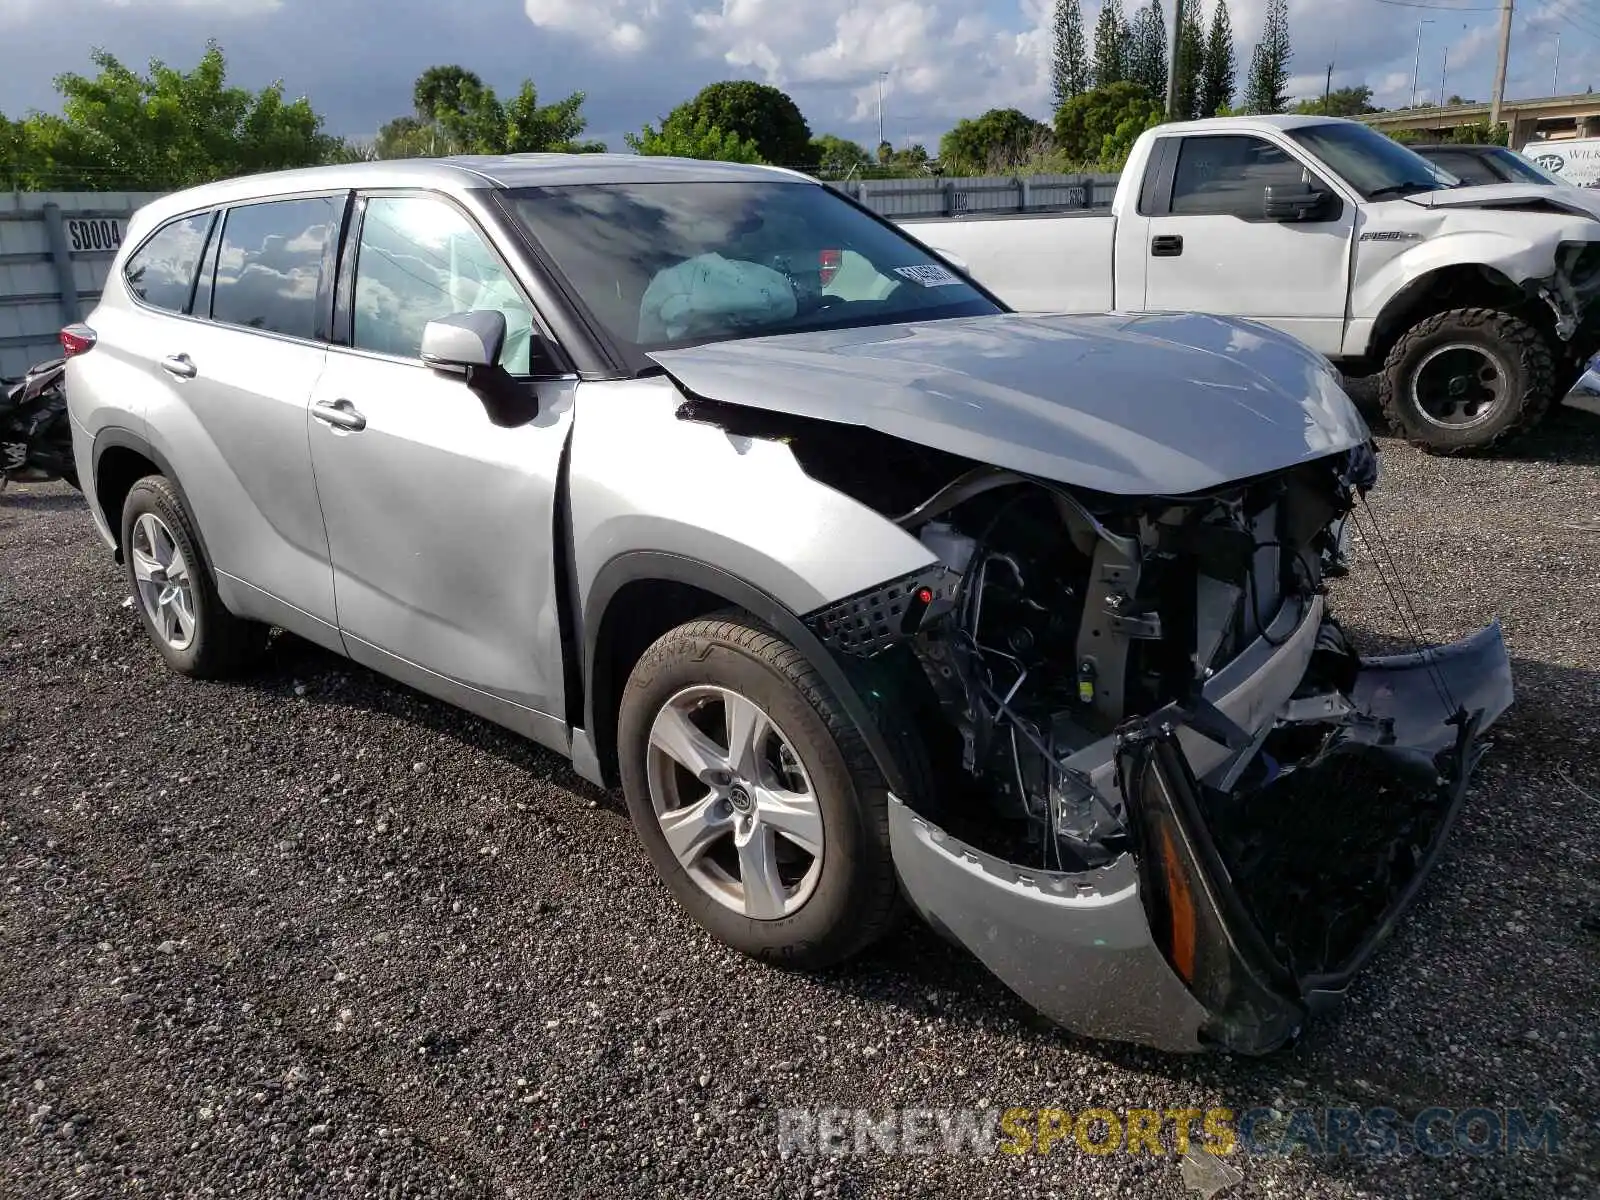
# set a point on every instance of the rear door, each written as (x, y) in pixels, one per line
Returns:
(440, 522)
(1211, 249)
(241, 371)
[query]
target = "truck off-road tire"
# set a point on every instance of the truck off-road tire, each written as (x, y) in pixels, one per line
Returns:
(173, 588)
(1463, 380)
(756, 796)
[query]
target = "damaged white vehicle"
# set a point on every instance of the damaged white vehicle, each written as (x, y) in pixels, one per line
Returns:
(1474, 306)
(865, 589)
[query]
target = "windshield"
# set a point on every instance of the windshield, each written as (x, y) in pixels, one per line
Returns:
(1526, 170)
(663, 265)
(1376, 166)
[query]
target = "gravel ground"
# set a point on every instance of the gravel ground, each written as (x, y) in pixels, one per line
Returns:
(314, 934)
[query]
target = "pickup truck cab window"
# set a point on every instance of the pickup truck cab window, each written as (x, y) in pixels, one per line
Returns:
(661, 265)
(1378, 167)
(1229, 175)
(418, 259)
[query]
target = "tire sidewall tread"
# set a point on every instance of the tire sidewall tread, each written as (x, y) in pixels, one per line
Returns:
(223, 643)
(1526, 350)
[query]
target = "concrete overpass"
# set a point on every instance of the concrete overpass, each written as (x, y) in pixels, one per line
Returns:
(1555, 117)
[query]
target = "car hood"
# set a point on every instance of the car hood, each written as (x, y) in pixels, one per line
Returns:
(1512, 195)
(1125, 404)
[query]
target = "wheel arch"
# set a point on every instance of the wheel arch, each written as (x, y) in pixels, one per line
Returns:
(640, 595)
(1458, 285)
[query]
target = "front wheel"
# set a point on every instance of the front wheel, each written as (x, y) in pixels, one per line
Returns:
(755, 796)
(1462, 380)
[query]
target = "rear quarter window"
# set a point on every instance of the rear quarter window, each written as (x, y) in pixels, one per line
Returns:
(161, 271)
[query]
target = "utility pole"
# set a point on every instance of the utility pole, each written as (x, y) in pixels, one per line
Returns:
(1416, 68)
(1500, 70)
(882, 75)
(1444, 71)
(1327, 86)
(1174, 44)
(1555, 75)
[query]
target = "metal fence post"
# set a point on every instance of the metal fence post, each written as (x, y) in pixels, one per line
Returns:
(1024, 193)
(949, 197)
(61, 259)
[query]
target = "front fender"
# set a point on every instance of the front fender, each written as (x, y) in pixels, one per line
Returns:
(1386, 272)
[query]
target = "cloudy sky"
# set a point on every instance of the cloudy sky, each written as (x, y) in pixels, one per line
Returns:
(356, 59)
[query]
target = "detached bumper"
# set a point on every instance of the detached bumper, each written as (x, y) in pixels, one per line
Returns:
(1585, 394)
(1192, 939)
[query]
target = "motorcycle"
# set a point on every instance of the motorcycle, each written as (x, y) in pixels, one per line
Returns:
(35, 434)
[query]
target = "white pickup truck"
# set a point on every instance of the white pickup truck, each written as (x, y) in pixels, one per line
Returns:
(1473, 303)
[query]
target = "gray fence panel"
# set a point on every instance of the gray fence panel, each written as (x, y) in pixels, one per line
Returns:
(32, 307)
(931, 196)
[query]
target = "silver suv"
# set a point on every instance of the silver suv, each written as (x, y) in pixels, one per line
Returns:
(866, 590)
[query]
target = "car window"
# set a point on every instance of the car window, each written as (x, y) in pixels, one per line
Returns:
(270, 264)
(420, 259)
(161, 272)
(1468, 168)
(1228, 176)
(678, 263)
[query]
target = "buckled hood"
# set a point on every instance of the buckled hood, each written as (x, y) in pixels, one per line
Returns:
(1123, 404)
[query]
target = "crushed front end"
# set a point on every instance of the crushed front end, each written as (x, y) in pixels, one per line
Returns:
(1174, 806)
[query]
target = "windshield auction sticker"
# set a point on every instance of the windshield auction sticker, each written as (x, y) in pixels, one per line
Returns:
(928, 275)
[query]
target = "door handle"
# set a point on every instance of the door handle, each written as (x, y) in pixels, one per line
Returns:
(180, 365)
(1166, 245)
(341, 414)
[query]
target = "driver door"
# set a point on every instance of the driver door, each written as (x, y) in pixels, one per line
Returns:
(439, 522)
(1212, 250)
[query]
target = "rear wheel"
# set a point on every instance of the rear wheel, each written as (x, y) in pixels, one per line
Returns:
(755, 795)
(1462, 380)
(173, 588)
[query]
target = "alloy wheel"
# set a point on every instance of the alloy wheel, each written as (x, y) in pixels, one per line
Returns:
(735, 803)
(166, 588)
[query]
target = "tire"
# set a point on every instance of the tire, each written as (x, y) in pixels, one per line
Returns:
(852, 898)
(156, 529)
(1434, 397)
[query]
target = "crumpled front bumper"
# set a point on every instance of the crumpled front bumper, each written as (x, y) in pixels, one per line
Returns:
(1095, 950)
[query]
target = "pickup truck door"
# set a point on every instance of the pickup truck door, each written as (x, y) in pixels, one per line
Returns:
(1211, 249)
(440, 522)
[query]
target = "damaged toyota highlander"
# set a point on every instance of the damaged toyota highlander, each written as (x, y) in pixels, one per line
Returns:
(870, 593)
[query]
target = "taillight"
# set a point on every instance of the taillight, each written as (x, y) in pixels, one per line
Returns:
(828, 265)
(77, 339)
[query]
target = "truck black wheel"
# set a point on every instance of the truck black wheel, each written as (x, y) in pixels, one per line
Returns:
(755, 795)
(1463, 380)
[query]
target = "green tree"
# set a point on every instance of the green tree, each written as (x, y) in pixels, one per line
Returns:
(1341, 102)
(1219, 70)
(999, 140)
(1480, 133)
(167, 129)
(1147, 50)
(836, 156)
(1069, 64)
(751, 112)
(686, 135)
(1111, 37)
(1101, 126)
(1266, 89)
(457, 113)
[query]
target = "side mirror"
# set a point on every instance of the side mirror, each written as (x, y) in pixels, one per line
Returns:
(1297, 202)
(464, 341)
